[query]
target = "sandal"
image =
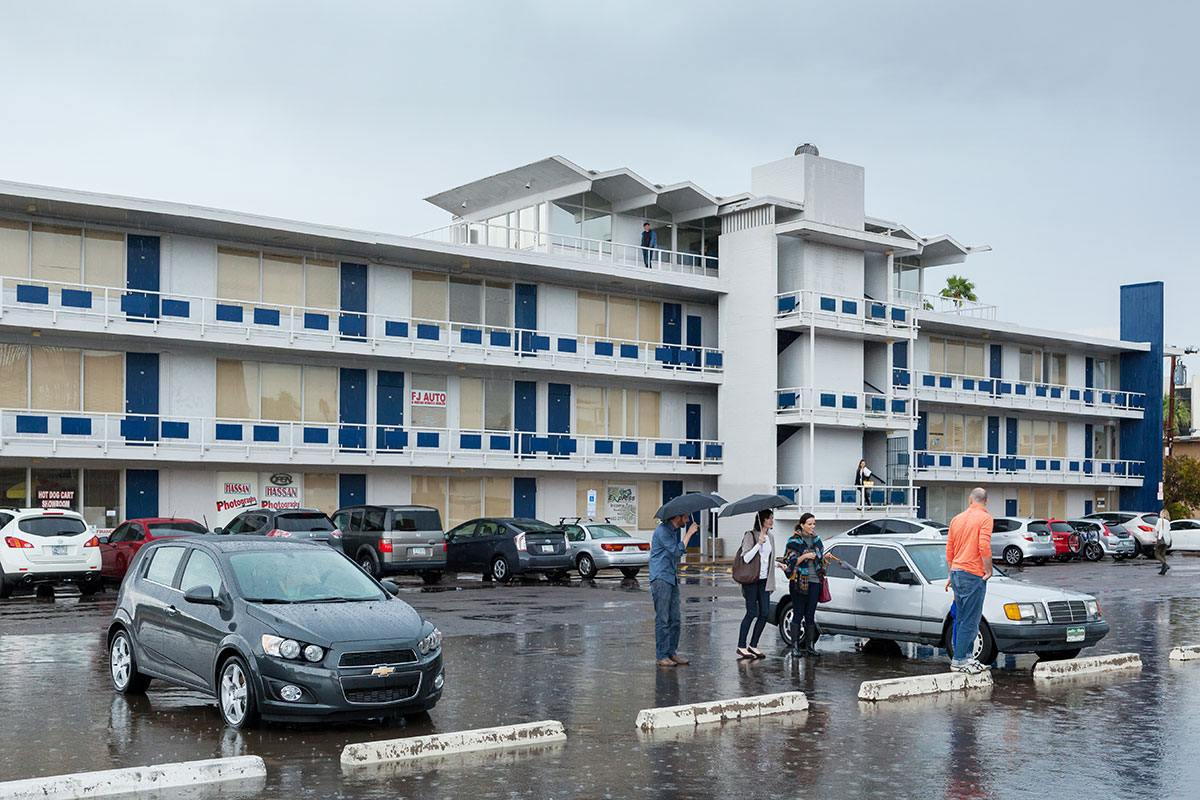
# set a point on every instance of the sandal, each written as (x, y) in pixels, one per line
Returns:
(744, 653)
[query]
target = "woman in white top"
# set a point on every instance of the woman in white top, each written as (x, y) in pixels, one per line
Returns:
(757, 542)
(1162, 540)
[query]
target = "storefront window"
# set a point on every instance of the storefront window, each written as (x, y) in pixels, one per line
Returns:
(12, 487)
(56, 488)
(102, 497)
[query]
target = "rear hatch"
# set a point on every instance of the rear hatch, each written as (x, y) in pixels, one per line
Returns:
(308, 524)
(549, 542)
(1040, 531)
(57, 539)
(416, 535)
(1060, 531)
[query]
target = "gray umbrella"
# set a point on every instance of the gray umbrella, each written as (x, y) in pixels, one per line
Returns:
(753, 504)
(857, 571)
(689, 504)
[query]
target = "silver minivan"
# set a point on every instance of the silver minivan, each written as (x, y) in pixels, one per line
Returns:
(390, 540)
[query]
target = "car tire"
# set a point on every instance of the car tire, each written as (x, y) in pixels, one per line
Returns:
(431, 576)
(587, 567)
(499, 570)
(560, 575)
(784, 623)
(91, 586)
(984, 651)
(630, 572)
(1093, 552)
(6, 588)
(367, 560)
(122, 666)
(1013, 556)
(236, 699)
(1059, 655)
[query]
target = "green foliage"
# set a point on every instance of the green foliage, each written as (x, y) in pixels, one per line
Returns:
(1178, 511)
(958, 289)
(1181, 482)
(1183, 414)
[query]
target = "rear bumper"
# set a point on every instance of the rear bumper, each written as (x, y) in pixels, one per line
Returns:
(553, 563)
(32, 578)
(425, 565)
(1037, 549)
(1042, 637)
(606, 560)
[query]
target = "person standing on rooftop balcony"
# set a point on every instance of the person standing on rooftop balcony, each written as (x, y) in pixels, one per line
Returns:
(864, 479)
(649, 242)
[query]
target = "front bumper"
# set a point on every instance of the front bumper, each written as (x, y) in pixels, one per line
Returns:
(324, 690)
(551, 563)
(1037, 637)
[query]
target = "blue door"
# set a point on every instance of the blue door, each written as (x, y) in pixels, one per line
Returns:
(525, 497)
(672, 332)
(995, 370)
(141, 398)
(525, 413)
(525, 316)
(558, 418)
(1089, 371)
(900, 364)
(352, 490)
(691, 426)
(389, 411)
(352, 414)
(993, 443)
(354, 299)
(1010, 508)
(1088, 441)
(141, 273)
(694, 341)
(141, 493)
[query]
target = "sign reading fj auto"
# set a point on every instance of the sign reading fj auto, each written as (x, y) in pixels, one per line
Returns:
(424, 397)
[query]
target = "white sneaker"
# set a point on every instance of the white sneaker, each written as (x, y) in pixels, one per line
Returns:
(969, 667)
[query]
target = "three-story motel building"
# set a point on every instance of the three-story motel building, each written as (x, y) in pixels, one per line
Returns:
(533, 358)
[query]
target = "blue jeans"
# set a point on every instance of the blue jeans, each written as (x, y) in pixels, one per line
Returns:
(666, 618)
(758, 607)
(969, 590)
(646, 257)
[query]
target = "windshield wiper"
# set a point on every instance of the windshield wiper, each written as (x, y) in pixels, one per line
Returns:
(271, 600)
(342, 600)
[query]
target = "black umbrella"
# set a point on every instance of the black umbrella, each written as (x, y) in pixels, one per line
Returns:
(858, 572)
(687, 504)
(753, 504)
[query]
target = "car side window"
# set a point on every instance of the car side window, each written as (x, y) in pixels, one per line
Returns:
(134, 532)
(869, 528)
(256, 522)
(845, 553)
(341, 520)
(574, 533)
(356, 519)
(373, 519)
(464, 531)
(900, 526)
(887, 566)
(1002, 525)
(235, 525)
(163, 565)
(118, 535)
(201, 570)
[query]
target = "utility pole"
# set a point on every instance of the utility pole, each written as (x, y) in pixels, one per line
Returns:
(1169, 434)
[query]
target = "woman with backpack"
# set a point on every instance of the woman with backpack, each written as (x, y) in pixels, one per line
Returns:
(804, 563)
(757, 542)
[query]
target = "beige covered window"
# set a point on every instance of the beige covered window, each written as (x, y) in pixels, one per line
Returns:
(973, 432)
(320, 394)
(14, 249)
(54, 379)
(103, 381)
(956, 357)
(497, 497)
(428, 296)
(1025, 437)
(281, 390)
(648, 500)
(497, 404)
(937, 355)
(465, 500)
(497, 304)
(1054, 368)
(320, 491)
(104, 259)
(589, 411)
(14, 375)
(321, 279)
(237, 274)
(237, 389)
(622, 318)
(649, 321)
(282, 280)
(582, 485)
(430, 491)
(57, 254)
(622, 412)
(470, 403)
(466, 300)
(592, 314)
(1058, 439)
(648, 414)
(936, 423)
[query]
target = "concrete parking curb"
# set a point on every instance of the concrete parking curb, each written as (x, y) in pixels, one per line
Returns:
(1118, 662)
(1189, 652)
(917, 685)
(135, 779)
(442, 744)
(649, 719)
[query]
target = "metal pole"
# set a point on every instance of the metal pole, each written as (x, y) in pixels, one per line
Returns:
(1170, 432)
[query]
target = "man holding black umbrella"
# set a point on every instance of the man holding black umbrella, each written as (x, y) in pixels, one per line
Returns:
(666, 546)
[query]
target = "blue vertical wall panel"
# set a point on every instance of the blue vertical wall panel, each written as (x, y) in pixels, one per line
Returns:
(352, 490)
(142, 273)
(525, 497)
(141, 493)
(1141, 439)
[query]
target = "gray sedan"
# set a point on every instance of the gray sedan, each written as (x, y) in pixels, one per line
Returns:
(597, 545)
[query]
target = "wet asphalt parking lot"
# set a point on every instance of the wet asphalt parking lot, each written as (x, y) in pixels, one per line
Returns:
(583, 653)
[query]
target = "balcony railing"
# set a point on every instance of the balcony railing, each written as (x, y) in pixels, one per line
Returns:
(945, 305)
(842, 311)
(1048, 396)
(69, 433)
(849, 502)
(502, 237)
(1052, 469)
(841, 407)
(324, 328)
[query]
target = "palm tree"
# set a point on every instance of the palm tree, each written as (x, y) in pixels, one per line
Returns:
(958, 289)
(1183, 414)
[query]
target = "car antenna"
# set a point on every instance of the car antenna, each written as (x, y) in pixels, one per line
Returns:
(205, 518)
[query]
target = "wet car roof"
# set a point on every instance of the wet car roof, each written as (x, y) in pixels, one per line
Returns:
(236, 544)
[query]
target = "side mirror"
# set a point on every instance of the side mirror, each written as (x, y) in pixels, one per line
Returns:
(390, 587)
(103, 540)
(201, 595)
(218, 530)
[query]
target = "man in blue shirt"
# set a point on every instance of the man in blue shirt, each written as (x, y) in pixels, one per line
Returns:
(666, 546)
(649, 242)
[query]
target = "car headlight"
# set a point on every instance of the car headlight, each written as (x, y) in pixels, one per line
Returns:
(313, 653)
(1030, 612)
(1093, 609)
(430, 643)
(291, 649)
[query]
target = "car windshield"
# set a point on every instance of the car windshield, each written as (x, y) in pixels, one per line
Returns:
(607, 532)
(51, 526)
(300, 523)
(528, 525)
(176, 529)
(293, 576)
(422, 520)
(930, 559)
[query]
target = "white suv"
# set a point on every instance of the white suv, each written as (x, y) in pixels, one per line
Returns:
(1141, 525)
(47, 546)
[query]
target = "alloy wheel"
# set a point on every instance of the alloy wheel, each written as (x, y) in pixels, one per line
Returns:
(587, 567)
(234, 693)
(120, 662)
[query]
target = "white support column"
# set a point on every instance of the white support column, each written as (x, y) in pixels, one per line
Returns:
(812, 420)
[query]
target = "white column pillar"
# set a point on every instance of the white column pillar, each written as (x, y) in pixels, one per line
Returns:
(812, 406)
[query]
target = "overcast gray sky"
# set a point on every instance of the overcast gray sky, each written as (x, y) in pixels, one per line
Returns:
(1062, 134)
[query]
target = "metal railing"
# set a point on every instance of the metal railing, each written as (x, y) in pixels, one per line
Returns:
(945, 305)
(841, 406)
(856, 500)
(1049, 396)
(503, 237)
(844, 310)
(1064, 469)
(250, 439)
(323, 327)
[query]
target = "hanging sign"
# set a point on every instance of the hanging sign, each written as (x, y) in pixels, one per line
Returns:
(55, 498)
(425, 397)
(281, 491)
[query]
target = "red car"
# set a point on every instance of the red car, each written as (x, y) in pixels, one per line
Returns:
(1059, 532)
(118, 548)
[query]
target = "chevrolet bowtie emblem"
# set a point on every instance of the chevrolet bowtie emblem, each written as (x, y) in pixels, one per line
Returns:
(383, 671)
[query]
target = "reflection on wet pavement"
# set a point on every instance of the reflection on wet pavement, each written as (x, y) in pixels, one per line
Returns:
(582, 653)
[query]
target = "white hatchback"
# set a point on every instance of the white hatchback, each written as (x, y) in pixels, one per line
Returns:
(47, 546)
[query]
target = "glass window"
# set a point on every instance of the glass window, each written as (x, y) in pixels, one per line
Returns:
(466, 301)
(470, 403)
(201, 570)
(622, 414)
(954, 433)
(497, 231)
(428, 416)
(527, 220)
(589, 411)
(649, 321)
(954, 358)
(320, 394)
(885, 564)
(497, 497)
(14, 249)
(574, 533)
(321, 280)
(566, 219)
(689, 239)
(57, 254)
(497, 304)
(301, 522)
(466, 500)
(1031, 366)
(54, 379)
(281, 391)
(282, 280)
(416, 519)
(936, 422)
(101, 496)
(845, 553)
(237, 274)
(648, 414)
(320, 492)
(582, 486)
(592, 315)
(51, 525)
(373, 520)
(428, 296)
(937, 355)
(429, 491)
(163, 564)
(12, 487)
(497, 405)
(104, 259)
(176, 528)
(237, 389)
(14, 375)
(930, 560)
(103, 381)
(1055, 368)
(1101, 372)
(608, 532)
(648, 500)
(622, 318)
(597, 225)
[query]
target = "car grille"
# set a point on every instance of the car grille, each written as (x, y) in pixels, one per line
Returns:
(377, 657)
(400, 689)
(1068, 611)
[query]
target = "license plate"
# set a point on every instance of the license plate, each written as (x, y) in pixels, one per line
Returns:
(420, 552)
(547, 548)
(1075, 634)
(58, 550)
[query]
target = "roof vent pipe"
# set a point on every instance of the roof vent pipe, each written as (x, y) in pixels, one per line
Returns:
(808, 149)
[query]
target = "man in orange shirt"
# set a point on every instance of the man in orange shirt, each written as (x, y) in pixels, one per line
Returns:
(969, 556)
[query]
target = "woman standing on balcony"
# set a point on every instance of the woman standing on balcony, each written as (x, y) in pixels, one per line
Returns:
(864, 479)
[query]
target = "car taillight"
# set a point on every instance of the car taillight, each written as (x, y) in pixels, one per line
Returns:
(278, 532)
(335, 533)
(612, 548)
(643, 547)
(520, 540)
(13, 541)
(444, 547)
(92, 542)
(385, 546)
(1028, 538)
(1146, 529)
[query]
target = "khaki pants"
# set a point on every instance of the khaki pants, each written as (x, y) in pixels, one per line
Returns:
(1160, 552)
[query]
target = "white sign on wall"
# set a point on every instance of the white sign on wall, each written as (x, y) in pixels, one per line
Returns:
(280, 490)
(621, 506)
(425, 397)
(591, 504)
(236, 491)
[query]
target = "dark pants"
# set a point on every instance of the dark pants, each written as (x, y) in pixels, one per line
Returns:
(666, 618)
(969, 590)
(646, 257)
(758, 604)
(1160, 552)
(804, 606)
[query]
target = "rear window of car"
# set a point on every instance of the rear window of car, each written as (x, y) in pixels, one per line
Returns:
(528, 525)
(607, 532)
(176, 529)
(420, 520)
(1115, 528)
(51, 526)
(1061, 527)
(299, 523)
(1150, 519)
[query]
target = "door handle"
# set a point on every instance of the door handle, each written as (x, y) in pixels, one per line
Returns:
(172, 611)
(863, 589)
